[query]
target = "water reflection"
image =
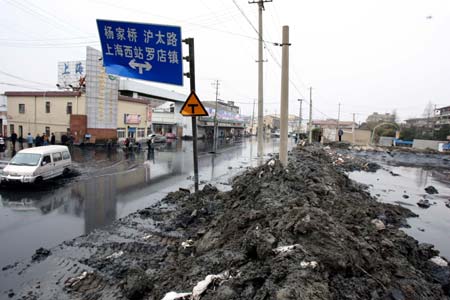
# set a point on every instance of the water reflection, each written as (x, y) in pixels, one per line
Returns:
(110, 184)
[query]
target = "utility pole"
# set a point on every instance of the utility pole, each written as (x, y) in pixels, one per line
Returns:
(216, 123)
(300, 116)
(284, 106)
(310, 115)
(260, 77)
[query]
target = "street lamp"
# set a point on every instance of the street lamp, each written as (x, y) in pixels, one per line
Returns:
(300, 116)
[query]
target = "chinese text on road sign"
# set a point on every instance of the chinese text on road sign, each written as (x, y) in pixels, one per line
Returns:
(142, 51)
(193, 107)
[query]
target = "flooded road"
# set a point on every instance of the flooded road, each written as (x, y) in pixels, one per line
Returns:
(405, 186)
(110, 185)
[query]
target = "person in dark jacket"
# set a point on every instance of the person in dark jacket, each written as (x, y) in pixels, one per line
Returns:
(38, 140)
(340, 134)
(20, 140)
(13, 140)
(53, 139)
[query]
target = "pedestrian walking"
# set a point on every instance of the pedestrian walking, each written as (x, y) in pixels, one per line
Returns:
(53, 139)
(45, 139)
(13, 140)
(340, 134)
(20, 140)
(30, 140)
(37, 140)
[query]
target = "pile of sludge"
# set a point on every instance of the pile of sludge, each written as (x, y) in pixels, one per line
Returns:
(305, 231)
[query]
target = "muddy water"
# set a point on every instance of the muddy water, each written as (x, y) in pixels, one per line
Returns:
(110, 185)
(406, 189)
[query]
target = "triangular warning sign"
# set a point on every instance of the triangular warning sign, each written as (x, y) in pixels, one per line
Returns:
(193, 107)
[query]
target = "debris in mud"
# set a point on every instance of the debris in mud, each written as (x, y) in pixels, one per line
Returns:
(447, 203)
(175, 295)
(439, 261)
(405, 196)
(431, 190)
(379, 225)
(40, 254)
(424, 203)
(115, 255)
(393, 173)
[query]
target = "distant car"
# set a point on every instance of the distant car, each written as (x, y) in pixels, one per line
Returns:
(157, 138)
(171, 135)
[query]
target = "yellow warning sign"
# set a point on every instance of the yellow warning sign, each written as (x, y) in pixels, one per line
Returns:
(193, 107)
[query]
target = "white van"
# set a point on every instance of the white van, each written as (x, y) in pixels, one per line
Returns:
(37, 164)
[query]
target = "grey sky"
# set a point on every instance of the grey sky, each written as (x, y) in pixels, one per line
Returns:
(369, 55)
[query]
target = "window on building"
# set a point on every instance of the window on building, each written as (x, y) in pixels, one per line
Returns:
(47, 131)
(141, 132)
(20, 130)
(120, 133)
(11, 128)
(47, 107)
(69, 108)
(21, 108)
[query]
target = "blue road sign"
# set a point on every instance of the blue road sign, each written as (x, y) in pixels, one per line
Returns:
(142, 51)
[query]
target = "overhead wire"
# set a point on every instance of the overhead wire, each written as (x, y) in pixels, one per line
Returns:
(23, 79)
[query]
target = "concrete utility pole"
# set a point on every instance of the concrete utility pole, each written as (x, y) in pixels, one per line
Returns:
(300, 116)
(310, 115)
(353, 129)
(216, 123)
(284, 107)
(260, 77)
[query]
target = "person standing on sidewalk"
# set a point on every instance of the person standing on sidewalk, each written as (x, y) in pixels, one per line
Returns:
(20, 140)
(53, 139)
(340, 134)
(30, 140)
(13, 140)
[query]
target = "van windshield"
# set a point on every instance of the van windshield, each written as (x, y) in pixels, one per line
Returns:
(25, 159)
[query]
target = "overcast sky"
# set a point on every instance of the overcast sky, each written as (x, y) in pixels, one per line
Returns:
(369, 56)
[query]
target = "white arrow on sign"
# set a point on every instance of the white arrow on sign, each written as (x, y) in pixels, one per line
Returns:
(133, 64)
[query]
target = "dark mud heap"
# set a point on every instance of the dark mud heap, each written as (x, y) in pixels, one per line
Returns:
(302, 232)
(345, 245)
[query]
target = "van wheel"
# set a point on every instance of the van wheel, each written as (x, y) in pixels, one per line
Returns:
(66, 172)
(38, 180)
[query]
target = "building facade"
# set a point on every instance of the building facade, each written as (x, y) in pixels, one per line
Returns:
(230, 122)
(43, 112)
(377, 118)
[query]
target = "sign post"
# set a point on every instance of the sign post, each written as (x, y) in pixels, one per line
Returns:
(193, 107)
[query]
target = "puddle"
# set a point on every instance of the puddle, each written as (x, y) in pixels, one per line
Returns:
(433, 224)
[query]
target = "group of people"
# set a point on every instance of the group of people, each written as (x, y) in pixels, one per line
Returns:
(39, 140)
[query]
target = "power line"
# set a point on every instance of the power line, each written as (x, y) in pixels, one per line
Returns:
(23, 79)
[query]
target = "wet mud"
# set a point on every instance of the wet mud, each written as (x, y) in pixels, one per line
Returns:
(305, 231)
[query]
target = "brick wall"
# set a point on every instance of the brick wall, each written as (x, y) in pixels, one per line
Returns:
(78, 126)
